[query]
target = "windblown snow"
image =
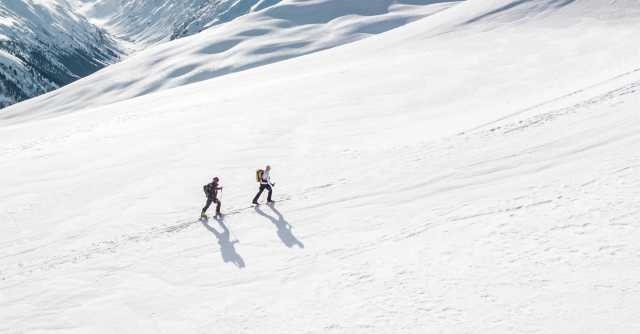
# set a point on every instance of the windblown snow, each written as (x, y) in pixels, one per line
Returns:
(475, 171)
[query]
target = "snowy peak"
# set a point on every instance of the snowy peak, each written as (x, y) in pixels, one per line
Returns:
(45, 45)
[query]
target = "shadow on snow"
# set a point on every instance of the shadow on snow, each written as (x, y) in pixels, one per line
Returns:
(227, 247)
(284, 228)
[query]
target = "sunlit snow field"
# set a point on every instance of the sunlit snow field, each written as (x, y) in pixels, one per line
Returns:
(475, 171)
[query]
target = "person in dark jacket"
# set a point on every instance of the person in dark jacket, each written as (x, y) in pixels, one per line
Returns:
(211, 190)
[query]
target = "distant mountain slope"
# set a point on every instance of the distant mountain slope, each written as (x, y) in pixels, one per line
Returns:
(147, 22)
(44, 45)
(281, 31)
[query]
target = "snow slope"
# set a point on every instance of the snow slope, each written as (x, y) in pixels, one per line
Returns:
(148, 22)
(45, 45)
(472, 172)
(285, 30)
(48, 44)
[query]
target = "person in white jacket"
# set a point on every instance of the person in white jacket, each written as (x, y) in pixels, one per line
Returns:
(265, 183)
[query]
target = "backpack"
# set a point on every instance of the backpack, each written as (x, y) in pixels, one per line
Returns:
(259, 173)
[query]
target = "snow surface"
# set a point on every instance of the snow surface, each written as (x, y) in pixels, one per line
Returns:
(475, 171)
(148, 22)
(285, 30)
(63, 40)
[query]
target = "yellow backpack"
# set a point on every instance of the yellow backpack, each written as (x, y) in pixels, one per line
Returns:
(259, 175)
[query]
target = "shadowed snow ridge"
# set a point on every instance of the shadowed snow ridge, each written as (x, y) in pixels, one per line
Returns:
(147, 22)
(282, 31)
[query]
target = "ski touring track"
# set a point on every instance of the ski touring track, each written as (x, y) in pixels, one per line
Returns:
(107, 247)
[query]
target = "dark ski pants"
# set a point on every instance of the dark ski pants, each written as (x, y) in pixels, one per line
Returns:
(212, 200)
(262, 188)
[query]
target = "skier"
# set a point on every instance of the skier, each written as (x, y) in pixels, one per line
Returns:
(263, 177)
(211, 190)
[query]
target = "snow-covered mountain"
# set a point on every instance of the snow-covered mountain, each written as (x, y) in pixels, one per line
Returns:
(44, 45)
(148, 22)
(284, 30)
(475, 171)
(299, 27)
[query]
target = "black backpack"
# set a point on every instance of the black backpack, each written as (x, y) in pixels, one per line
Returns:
(207, 190)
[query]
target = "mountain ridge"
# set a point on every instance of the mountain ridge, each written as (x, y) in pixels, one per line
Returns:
(278, 32)
(44, 46)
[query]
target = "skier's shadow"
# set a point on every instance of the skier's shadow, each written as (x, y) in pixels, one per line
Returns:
(284, 228)
(227, 247)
